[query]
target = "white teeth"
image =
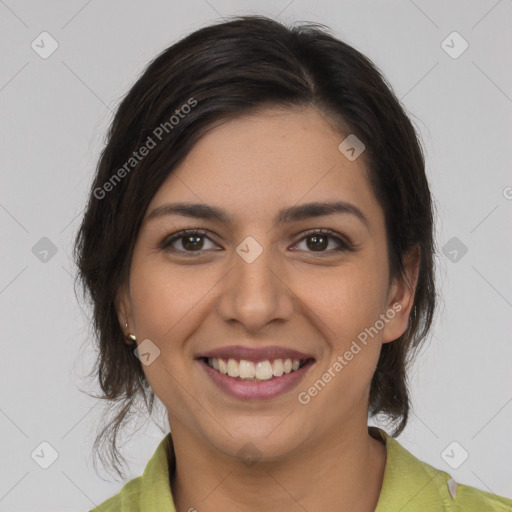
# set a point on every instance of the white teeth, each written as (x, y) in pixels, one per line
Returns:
(247, 369)
(233, 370)
(277, 367)
(262, 370)
(223, 367)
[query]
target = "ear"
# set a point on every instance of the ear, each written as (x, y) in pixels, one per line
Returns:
(124, 311)
(401, 297)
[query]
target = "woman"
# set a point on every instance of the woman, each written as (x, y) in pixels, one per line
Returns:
(258, 247)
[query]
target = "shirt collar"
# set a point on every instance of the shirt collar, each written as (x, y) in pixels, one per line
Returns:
(408, 482)
(155, 490)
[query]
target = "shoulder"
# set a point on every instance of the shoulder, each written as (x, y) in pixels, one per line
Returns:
(411, 485)
(128, 499)
(148, 492)
(470, 498)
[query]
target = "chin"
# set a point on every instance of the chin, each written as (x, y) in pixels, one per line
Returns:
(251, 443)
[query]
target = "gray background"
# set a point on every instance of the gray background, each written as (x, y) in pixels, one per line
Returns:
(55, 113)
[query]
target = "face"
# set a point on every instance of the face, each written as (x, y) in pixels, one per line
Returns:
(263, 283)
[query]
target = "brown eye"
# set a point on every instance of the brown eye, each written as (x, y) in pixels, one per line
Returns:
(317, 242)
(325, 241)
(192, 242)
(188, 241)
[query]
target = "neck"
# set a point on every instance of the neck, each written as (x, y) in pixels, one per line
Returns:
(345, 469)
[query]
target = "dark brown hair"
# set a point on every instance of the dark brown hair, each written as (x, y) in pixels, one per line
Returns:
(218, 72)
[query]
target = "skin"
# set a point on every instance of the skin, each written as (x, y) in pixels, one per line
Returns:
(317, 456)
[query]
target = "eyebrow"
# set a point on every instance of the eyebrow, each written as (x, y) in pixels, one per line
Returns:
(284, 216)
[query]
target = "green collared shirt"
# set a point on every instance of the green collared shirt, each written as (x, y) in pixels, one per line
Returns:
(409, 485)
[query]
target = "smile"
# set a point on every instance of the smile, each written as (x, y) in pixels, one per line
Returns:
(255, 373)
(251, 371)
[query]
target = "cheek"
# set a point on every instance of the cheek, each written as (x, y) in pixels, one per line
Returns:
(349, 305)
(166, 310)
(349, 300)
(164, 297)
(349, 311)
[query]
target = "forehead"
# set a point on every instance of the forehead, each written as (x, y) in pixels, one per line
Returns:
(256, 163)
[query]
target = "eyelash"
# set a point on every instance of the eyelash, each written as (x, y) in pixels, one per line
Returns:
(344, 244)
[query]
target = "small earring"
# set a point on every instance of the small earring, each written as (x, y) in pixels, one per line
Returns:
(130, 335)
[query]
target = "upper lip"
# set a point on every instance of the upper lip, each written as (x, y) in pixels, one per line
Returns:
(254, 354)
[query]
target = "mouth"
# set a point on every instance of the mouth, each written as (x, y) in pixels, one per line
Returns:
(255, 371)
(255, 374)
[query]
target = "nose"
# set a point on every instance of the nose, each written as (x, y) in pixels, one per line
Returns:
(256, 294)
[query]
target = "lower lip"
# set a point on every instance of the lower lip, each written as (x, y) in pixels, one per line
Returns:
(247, 390)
